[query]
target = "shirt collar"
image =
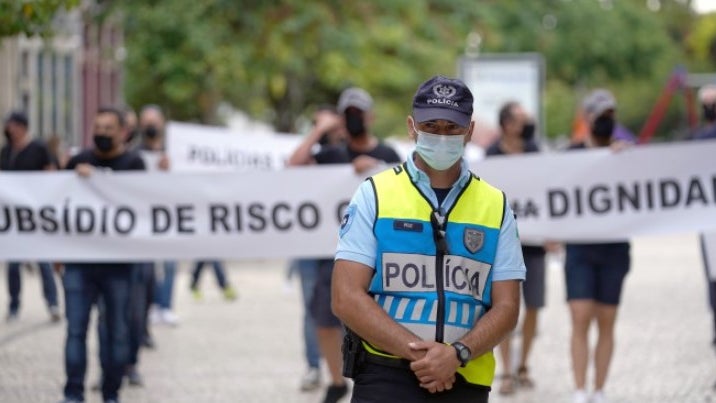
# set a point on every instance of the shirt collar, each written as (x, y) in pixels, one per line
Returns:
(418, 176)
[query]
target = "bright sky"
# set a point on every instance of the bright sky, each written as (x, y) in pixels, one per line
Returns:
(704, 6)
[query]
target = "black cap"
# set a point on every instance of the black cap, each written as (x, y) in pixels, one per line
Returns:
(17, 117)
(443, 98)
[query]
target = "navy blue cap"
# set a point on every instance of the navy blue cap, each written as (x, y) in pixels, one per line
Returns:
(443, 98)
(16, 117)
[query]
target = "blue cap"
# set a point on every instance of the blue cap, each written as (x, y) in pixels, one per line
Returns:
(18, 117)
(443, 98)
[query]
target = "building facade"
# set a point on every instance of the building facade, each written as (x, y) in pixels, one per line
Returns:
(61, 81)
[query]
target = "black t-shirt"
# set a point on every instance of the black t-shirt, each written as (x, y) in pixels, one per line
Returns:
(34, 157)
(127, 161)
(343, 154)
(494, 148)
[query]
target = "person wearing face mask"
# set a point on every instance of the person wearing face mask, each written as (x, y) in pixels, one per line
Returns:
(23, 153)
(707, 98)
(110, 282)
(428, 265)
(517, 137)
(365, 152)
(517, 131)
(595, 273)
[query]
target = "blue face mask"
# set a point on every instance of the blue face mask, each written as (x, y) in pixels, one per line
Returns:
(440, 152)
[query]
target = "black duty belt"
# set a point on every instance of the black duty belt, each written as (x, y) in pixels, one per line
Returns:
(386, 361)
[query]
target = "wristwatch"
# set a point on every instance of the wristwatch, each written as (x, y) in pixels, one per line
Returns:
(463, 353)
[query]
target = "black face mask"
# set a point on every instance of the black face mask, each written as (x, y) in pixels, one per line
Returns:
(103, 143)
(528, 131)
(151, 132)
(603, 126)
(354, 123)
(709, 112)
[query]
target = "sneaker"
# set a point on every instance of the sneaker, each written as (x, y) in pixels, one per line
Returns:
(230, 294)
(133, 376)
(598, 397)
(54, 313)
(168, 317)
(580, 396)
(196, 294)
(311, 380)
(155, 316)
(334, 393)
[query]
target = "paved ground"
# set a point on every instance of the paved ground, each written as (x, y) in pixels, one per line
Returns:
(250, 350)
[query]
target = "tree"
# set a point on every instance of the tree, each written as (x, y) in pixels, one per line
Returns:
(276, 58)
(30, 17)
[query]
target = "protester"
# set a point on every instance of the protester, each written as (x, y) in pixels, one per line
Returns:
(365, 152)
(23, 153)
(517, 137)
(425, 335)
(707, 98)
(220, 273)
(595, 272)
(84, 283)
(143, 279)
(152, 129)
(327, 131)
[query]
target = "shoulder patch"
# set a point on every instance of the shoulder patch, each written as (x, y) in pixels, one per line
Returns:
(347, 219)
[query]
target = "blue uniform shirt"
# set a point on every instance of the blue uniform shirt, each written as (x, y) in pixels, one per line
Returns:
(357, 241)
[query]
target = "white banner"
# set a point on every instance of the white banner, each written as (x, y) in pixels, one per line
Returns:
(155, 215)
(198, 148)
(579, 195)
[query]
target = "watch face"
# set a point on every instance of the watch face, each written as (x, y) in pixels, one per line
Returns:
(463, 353)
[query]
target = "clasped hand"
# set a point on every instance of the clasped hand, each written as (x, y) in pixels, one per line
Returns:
(436, 368)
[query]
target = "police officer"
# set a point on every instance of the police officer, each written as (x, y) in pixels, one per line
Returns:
(428, 265)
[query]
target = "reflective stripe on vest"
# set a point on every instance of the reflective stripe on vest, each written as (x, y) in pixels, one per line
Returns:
(406, 283)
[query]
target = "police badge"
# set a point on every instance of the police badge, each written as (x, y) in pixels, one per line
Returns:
(473, 239)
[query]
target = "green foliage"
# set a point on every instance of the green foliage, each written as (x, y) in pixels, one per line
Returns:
(702, 42)
(30, 17)
(276, 59)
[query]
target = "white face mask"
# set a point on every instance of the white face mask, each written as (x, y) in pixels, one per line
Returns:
(440, 152)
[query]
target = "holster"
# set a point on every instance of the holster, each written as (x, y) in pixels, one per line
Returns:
(353, 353)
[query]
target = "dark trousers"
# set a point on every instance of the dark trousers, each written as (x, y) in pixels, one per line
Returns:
(14, 285)
(141, 292)
(84, 284)
(218, 271)
(381, 384)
